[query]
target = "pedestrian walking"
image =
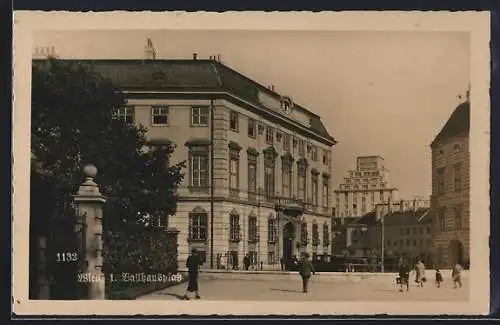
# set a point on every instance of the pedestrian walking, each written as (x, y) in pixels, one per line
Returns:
(281, 263)
(305, 270)
(456, 275)
(193, 264)
(404, 276)
(420, 273)
(439, 278)
(246, 262)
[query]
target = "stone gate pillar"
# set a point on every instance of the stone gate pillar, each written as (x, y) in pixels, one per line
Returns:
(89, 202)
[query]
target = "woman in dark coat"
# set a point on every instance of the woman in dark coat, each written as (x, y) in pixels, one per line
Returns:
(193, 263)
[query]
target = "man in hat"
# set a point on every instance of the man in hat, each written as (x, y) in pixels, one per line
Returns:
(305, 270)
(193, 263)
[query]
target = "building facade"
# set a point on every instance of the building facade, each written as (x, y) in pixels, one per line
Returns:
(258, 177)
(364, 188)
(408, 231)
(450, 189)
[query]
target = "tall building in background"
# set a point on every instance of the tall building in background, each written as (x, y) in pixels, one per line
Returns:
(364, 188)
(450, 189)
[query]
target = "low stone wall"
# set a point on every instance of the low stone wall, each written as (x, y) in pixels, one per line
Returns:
(318, 277)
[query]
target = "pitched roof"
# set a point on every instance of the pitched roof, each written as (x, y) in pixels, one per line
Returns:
(398, 218)
(191, 75)
(458, 123)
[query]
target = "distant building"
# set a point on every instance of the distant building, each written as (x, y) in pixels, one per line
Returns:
(364, 188)
(407, 231)
(450, 188)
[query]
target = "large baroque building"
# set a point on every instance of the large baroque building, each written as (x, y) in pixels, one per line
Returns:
(450, 188)
(258, 177)
(364, 188)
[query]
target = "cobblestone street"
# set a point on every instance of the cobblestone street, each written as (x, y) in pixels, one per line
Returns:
(381, 288)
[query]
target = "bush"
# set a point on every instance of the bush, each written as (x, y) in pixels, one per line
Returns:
(137, 250)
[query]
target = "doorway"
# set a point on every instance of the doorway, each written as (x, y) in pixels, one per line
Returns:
(288, 237)
(456, 252)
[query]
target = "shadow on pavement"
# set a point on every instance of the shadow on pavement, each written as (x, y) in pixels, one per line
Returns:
(176, 295)
(286, 290)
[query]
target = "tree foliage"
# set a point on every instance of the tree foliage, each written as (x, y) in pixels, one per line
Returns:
(73, 124)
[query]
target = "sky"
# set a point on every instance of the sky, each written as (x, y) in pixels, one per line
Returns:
(378, 93)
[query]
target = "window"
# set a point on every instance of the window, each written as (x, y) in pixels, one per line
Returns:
(440, 181)
(271, 258)
(315, 235)
(159, 115)
(325, 157)
(408, 242)
(252, 128)
(233, 121)
(407, 231)
(326, 235)
(326, 193)
(456, 147)
(199, 115)
(314, 191)
(269, 135)
(302, 148)
(199, 170)
(363, 205)
(420, 230)
(252, 176)
(269, 180)
(421, 243)
(286, 142)
(441, 220)
(457, 211)
(414, 230)
(304, 236)
(388, 243)
(428, 230)
(272, 231)
(457, 177)
(314, 153)
(233, 173)
(301, 186)
(126, 114)
(401, 231)
(234, 228)
(252, 229)
(198, 226)
(287, 180)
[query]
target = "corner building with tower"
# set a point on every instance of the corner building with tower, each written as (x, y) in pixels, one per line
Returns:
(258, 173)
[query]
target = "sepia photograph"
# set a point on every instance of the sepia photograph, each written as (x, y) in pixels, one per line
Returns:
(254, 165)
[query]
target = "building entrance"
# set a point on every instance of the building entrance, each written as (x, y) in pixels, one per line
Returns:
(288, 237)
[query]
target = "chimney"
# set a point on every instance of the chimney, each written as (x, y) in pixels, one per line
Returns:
(415, 205)
(272, 87)
(402, 206)
(218, 57)
(195, 56)
(149, 50)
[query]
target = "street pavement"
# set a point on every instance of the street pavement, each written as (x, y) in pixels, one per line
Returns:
(383, 288)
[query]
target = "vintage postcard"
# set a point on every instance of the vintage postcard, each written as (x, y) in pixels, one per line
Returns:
(248, 163)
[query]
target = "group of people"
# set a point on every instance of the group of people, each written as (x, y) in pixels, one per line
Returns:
(420, 278)
(306, 270)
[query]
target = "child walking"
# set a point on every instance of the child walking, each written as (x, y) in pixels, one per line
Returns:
(439, 278)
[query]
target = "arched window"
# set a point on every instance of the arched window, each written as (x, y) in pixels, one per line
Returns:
(315, 234)
(304, 235)
(326, 235)
(272, 229)
(252, 229)
(234, 226)
(198, 222)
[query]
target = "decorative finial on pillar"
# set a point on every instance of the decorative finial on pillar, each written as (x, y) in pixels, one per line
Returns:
(89, 187)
